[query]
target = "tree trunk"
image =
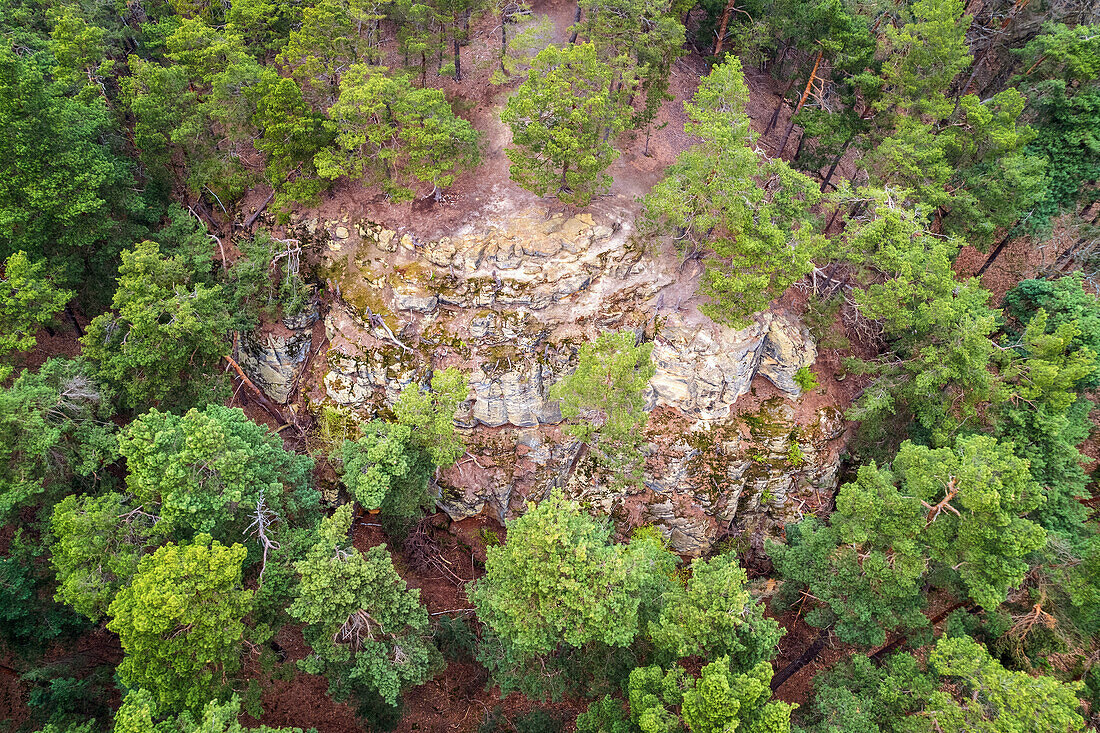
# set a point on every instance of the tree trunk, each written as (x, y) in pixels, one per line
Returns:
(779, 107)
(722, 27)
(576, 19)
(994, 254)
(803, 659)
(504, 16)
(458, 61)
(801, 102)
(836, 162)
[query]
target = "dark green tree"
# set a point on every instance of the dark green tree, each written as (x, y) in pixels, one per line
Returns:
(369, 634)
(164, 329)
(54, 429)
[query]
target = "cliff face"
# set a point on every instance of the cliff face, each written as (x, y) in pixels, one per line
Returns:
(510, 303)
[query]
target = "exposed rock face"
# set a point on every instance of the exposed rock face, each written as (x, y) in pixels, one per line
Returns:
(274, 360)
(510, 304)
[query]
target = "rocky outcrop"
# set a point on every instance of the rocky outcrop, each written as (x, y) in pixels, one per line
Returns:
(510, 303)
(274, 359)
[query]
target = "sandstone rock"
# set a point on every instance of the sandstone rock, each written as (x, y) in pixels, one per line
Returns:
(342, 233)
(275, 361)
(386, 240)
(511, 303)
(787, 348)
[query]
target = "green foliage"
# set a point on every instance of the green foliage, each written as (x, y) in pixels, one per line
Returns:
(562, 118)
(370, 635)
(713, 616)
(164, 327)
(1065, 97)
(856, 696)
(392, 133)
(1044, 417)
(758, 238)
(27, 301)
(180, 623)
(640, 41)
(715, 702)
(54, 427)
(925, 56)
(205, 471)
(98, 543)
(63, 188)
(963, 689)
(938, 330)
(806, 379)
(1065, 301)
(29, 621)
(387, 469)
(865, 568)
(140, 713)
(292, 134)
(323, 48)
(429, 413)
(991, 699)
(977, 493)
(559, 580)
(605, 392)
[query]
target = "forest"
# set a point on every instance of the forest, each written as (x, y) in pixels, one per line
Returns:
(538, 366)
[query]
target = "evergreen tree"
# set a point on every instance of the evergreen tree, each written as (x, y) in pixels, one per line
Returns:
(559, 580)
(369, 634)
(385, 469)
(205, 471)
(713, 615)
(54, 428)
(391, 133)
(976, 494)
(605, 392)
(28, 300)
(716, 701)
(864, 569)
(164, 328)
(98, 543)
(747, 214)
(430, 413)
(180, 623)
(563, 117)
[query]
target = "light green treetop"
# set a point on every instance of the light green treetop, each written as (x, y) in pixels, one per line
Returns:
(714, 615)
(558, 579)
(976, 495)
(180, 623)
(205, 471)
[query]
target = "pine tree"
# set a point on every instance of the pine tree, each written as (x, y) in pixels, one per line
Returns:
(563, 117)
(391, 133)
(205, 471)
(747, 214)
(28, 300)
(605, 392)
(54, 427)
(163, 328)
